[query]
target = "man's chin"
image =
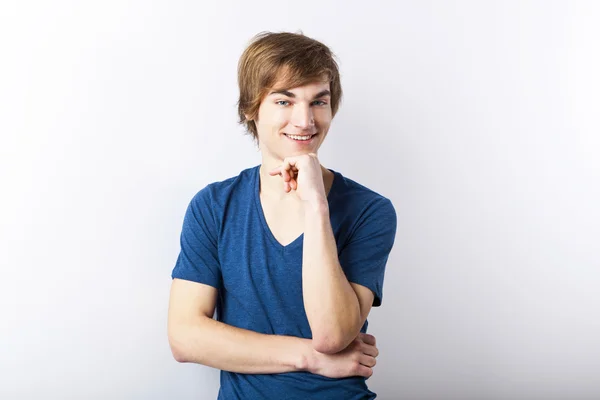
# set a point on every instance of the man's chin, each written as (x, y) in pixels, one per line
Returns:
(299, 152)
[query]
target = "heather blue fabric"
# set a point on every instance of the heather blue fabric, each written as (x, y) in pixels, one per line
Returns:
(226, 243)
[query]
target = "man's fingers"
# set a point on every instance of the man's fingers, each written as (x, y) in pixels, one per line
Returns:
(369, 350)
(362, 370)
(368, 339)
(287, 187)
(289, 173)
(285, 168)
(367, 360)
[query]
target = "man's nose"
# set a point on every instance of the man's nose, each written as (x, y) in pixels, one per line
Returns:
(303, 116)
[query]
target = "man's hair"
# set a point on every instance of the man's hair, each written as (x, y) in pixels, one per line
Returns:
(293, 58)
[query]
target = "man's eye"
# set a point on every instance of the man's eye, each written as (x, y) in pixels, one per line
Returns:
(319, 103)
(282, 101)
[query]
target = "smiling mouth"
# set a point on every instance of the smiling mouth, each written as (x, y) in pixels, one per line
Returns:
(301, 138)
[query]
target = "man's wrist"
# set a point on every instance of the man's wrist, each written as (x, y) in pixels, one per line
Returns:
(319, 206)
(308, 358)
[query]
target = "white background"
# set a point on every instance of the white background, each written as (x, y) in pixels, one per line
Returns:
(479, 119)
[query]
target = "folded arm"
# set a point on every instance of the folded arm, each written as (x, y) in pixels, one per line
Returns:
(194, 336)
(336, 309)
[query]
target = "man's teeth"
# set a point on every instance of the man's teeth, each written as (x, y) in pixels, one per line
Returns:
(297, 137)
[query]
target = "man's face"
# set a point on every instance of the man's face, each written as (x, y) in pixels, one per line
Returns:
(294, 121)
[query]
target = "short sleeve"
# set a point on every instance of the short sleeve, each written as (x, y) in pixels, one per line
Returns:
(198, 258)
(364, 257)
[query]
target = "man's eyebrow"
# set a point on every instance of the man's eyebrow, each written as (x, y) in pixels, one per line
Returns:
(287, 93)
(323, 93)
(283, 92)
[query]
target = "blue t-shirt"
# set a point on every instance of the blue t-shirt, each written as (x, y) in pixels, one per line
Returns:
(226, 243)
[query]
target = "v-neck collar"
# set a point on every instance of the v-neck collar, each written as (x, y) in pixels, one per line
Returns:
(261, 214)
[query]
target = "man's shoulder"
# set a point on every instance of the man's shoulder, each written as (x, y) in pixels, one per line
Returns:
(217, 193)
(233, 182)
(352, 192)
(357, 207)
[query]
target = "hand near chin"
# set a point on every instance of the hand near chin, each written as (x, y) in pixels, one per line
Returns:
(303, 175)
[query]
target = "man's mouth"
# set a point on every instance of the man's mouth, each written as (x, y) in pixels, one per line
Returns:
(300, 138)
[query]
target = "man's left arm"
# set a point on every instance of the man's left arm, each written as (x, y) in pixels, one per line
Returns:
(336, 308)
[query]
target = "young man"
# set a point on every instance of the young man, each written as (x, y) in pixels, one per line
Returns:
(290, 254)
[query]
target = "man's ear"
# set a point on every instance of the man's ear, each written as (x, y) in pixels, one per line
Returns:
(248, 117)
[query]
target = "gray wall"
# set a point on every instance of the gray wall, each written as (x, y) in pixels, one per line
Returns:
(479, 120)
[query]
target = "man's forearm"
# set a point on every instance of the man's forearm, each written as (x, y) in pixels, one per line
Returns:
(331, 305)
(218, 345)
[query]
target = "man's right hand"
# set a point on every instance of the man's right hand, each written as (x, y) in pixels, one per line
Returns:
(358, 359)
